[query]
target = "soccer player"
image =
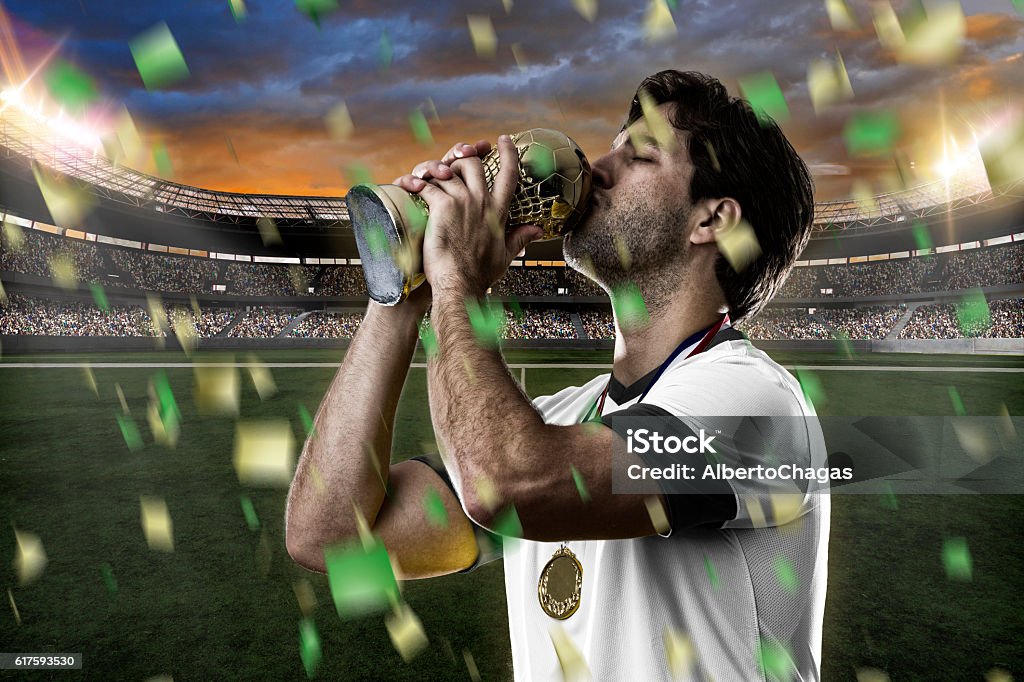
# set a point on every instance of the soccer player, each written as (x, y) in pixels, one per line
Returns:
(733, 575)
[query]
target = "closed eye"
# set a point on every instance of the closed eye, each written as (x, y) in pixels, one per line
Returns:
(642, 159)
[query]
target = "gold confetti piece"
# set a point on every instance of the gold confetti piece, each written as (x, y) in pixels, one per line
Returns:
(864, 196)
(264, 553)
(574, 667)
(268, 231)
(828, 82)
(840, 15)
(1003, 155)
(14, 235)
(63, 271)
(406, 632)
(90, 379)
(974, 439)
(14, 607)
(487, 492)
(264, 452)
(938, 38)
(156, 524)
(519, 56)
(620, 247)
(185, 330)
(755, 512)
(1007, 432)
(363, 528)
(586, 8)
(887, 25)
(217, 390)
(474, 672)
(507, 4)
(158, 57)
(157, 314)
(238, 10)
(30, 559)
(481, 30)
(305, 596)
(680, 653)
(657, 123)
(872, 675)
(998, 675)
(3, 295)
(261, 377)
(124, 146)
(160, 678)
(656, 512)
(318, 479)
(738, 244)
(339, 122)
(67, 201)
(786, 507)
(658, 22)
(195, 306)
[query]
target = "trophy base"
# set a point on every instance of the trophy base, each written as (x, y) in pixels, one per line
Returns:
(388, 224)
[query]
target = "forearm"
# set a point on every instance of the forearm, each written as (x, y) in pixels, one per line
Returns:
(345, 463)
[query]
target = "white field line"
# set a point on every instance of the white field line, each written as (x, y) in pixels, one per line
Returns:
(172, 365)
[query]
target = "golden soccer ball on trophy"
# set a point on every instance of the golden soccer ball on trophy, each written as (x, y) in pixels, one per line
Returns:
(553, 193)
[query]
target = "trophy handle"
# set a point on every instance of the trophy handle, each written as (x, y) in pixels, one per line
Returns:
(388, 223)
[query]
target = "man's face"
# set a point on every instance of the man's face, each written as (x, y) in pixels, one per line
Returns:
(640, 205)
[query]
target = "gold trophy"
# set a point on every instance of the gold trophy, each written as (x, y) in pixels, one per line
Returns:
(553, 192)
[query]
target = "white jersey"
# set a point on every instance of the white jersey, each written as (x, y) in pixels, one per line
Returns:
(748, 594)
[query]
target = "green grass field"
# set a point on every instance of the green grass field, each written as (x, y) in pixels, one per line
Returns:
(221, 606)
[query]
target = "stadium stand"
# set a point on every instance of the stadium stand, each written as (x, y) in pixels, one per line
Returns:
(207, 324)
(24, 315)
(165, 272)
(324, 325)
(257, 279)
(38, 251)
(1005, 320)
(578, 285)
(598, 325)
(262, 322)
(546, 323)
(993, 266)
(531, 281)
(342, 280)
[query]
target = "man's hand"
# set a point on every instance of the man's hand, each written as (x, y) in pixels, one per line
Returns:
(465, 247)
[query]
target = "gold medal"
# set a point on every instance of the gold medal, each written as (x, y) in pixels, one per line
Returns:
(560, 584)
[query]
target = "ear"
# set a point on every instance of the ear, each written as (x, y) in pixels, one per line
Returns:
(716, 216)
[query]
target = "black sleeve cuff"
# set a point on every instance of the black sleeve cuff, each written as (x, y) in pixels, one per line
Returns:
(690, 504)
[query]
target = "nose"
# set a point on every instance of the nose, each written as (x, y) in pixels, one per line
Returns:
(604, 171)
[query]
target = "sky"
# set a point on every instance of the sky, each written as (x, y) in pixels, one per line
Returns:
(251, 116)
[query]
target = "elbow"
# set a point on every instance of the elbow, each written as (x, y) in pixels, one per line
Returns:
(301, 543)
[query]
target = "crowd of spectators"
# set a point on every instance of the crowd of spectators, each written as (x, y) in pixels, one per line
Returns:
(881, 278)
(598, 325)
(24, 315)
(578, 285)
(39, 251)
(872, 322)
(324, 325)
(1005, 320)
(208, 323)
(774, 324)
(546, 323)
(165, 272)
(985, 267)
(263, 279)
(532, 281)
(801, 283)
(260, 322)
(342, 280)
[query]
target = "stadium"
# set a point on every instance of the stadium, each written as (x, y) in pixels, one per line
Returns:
(143, 322)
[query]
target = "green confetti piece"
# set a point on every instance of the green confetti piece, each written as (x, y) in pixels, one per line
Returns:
(307, 421)
(428, 337)
(889, 499)
(384, 51)
(922, 237)
(774, 660)
(628, 306)
(517, 311)
(538, 162)
(72, 88)
(130, 432)
(420, 128)
(811, 386)
(99, 296)
(309, 646)
(712, 573)
(958, 403)
(249, 511)
(162, 160)
(316, 9)
(357, 174)
(590, 411)
(170, 415)
(487, 321)
(765, 96)
(238, 10)
(1019, 5)
(158, 57)
(956, 558)
(437, 515)
(972, 313)
(581, 487)
(108, 578)
(843, 344)
(507, 525)
(871, 132)
(786, 574)
(377, 240)
(361, 579)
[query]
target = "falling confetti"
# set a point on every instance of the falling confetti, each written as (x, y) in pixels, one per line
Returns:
(70, 87)
(937, 38)
(107, 573)
(264, 452)
(680, 653)
(474, 672)
(307, 421)
(481, 31)
(755, 511)
(238, 10)
(14, 607)
(261, 377)
(305, 596)
(738, 244)
(487, 492)
(385, 52)
(487, 321)
(922, 237)
(124, 145)
(775, 660)
(629, 308)
(99, 296)
(811, 386)
(162, 159)
(30, 559)
(268, 231)
(90, 380)
(157, 315)
(361, 579)
(713, 579)
(217, 389)
(956, 558)
(871, 133)
(63, 272)
(14, 235)
(163, 414)
(507, 524)
(4, 300)
(156, 524)
(406, 632)
(958, 403)
(507, 4)
(316, 9)
(658, 22)
(1002, 152)
(656, 512)
(420, 128)
(765, 96)
(574, 667)
(158, 57)
(840, 15)
(520, 56)
(828, 82)
(67, 202)
(581, 487)
(657, 123)
(130, 432)
(309, 646)
(785, 573)
(887, 25)
(437, 515)
(972, 313)
(339, 122)
(872, 675)
(249, 512)
(1001, 674)
(428, 337)
(586, 9)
